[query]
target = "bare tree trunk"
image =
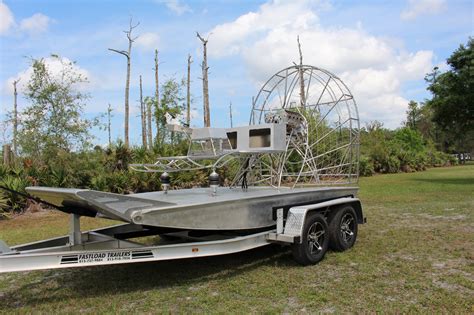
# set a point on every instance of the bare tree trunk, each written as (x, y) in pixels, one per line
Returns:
(127, 96)
(302, 96)
(148, 123)
(230, 114)
(127, 54)
(157, 98)
(188, 93)
(205, 83)
(109, 112)
(15, 117)
(143, 115)
(7, 154)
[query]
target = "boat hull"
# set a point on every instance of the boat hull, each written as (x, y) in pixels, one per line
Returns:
(193, 209)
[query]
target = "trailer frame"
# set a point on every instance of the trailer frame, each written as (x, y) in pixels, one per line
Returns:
(111, 245)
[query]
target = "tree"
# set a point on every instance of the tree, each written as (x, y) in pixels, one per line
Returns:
(424, 123)
(143, 116)
(413, 115)
(15, 116)
(148, 124)
(128, 55)
(109, 116)
(420, 118)
(157, 98)
(453, 98)
(53, 121)
(301, 78)
(171, 102)
(205, 82)
(188, 93)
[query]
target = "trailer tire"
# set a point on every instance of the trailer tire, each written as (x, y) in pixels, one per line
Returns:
(342, 228)
(315, 240)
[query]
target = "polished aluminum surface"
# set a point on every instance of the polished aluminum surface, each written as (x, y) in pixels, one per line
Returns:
(102, 249)
(197, 208)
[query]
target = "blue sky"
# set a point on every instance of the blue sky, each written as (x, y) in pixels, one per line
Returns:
(381, 49)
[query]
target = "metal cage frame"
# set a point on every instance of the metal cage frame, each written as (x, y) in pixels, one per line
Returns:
(322, 135)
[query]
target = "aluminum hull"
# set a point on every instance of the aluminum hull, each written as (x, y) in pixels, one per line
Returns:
(191, 209)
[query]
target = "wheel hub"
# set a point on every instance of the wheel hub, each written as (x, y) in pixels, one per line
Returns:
(347, 231)
(315, 238)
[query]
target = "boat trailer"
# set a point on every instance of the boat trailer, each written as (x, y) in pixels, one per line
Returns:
(110, 245)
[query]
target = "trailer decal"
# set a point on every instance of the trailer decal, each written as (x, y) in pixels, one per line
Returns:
(104, 257)
(142, 254)
(69, 259)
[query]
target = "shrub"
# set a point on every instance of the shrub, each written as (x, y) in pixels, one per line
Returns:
(392, 165)
(451, 159)
(99, 182)
(409, 139)
(118, 182)
(421, 161)
(3, 205)
(15, 202)
(366, 166)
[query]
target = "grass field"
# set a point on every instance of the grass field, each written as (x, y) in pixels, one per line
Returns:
(415, 254)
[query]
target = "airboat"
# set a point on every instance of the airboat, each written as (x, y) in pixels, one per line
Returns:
(295, 182)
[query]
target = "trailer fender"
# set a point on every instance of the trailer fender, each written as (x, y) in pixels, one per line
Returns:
(297, 215)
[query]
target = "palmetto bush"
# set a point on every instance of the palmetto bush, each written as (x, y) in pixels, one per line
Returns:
(3, 205)
(14, 202)
(99, 182)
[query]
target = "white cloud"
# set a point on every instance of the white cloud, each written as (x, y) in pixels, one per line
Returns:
(35, 24)
(148, 41)
(54, 66)
(7, 21)
(228, 38)
(420, 7)
(374, 68)
(176, 6)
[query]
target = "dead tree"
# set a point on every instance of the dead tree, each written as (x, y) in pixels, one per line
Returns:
(157, 99)
(302, 96)
(143, 116)
(205, 82)
(7, 155)
(15, 116)
(150, 129)
(109, 116)
(128, 55)
(230, 114)
(188, 93)
(148, 124)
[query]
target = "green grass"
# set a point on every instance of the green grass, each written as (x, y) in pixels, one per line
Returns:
(415, 254)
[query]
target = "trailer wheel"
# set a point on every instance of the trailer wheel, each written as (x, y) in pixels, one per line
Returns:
(315, 240)
(342, 228)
